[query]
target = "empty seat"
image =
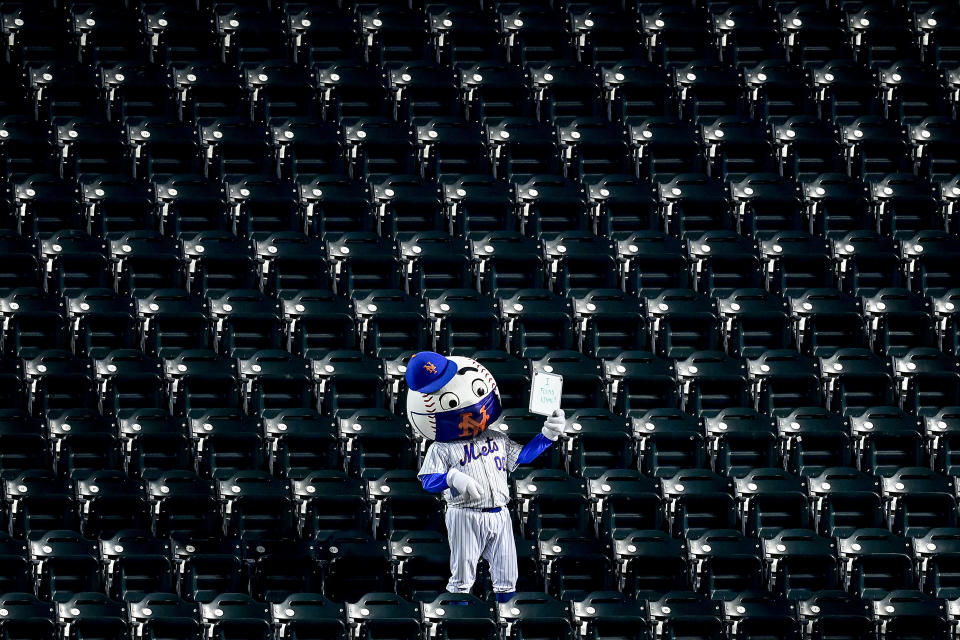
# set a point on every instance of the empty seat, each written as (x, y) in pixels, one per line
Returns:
(777, 91)
(735, 147)
(354, 564)
(239, 614)
(108, 502)
(910, 610)
(669, 440)
(33, 321)
(826, 320)
(580, 261)
(551, 501)
(521, 147)
(813, 439)
(638, 381)
(917, 500)
(874, 562)
(135, 564)
(810, 36)
(574, 564)
(783, 380)
(934, 155)
(57, 379)
(598, 441)
(757, 612)
(180, 502)
(844, 500)
(711, 381)
(723, 261)
(682, 322)
(766, 203)
(867, 262)
(835, 612)
(806, 147)
(38, 502)
(650, 262)
(741, 439)
(64, 564)
(926, 266)
(278, 566)
(663, 147)
(309, 614)
(796, 262)
(692, 203)
(724, 563)
(769, 501)
(698, 500)
(800, 563)
(680, 613)
(836, 204)
(536, 614)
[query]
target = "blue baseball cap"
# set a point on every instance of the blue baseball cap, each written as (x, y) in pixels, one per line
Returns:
(428, 371)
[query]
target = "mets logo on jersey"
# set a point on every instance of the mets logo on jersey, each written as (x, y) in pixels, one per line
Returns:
(471, 452)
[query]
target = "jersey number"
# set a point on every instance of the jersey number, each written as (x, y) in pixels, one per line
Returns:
(500, 463)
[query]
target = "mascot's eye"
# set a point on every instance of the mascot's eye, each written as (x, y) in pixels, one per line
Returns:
(479, 388)
(449, 400)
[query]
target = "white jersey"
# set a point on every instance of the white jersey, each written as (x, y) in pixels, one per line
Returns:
(488, 458)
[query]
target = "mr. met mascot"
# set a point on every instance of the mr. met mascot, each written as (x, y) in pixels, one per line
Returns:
(454, 401)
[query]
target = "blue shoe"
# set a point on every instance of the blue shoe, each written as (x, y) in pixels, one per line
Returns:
(505, 596)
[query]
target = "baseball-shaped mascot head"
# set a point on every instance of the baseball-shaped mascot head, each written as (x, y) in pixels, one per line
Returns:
(450, 398)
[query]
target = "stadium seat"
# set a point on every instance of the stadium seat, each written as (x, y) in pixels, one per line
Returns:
(682, 322)
(723, 563)
(165, 614)
(756, 613)
(535, 614)
(771, 501)
(711, 381)
(741, 439)
(692, 203)
(651, 262)
(224, 441)
(875, 562)
(27, 615)
(681, 612)
(669, 440)
(552, 502)
(844, 500)
(181, 502)
(800, 563)
(638, 381)
(662, 146)
(835, 612)
(836, 204)
(812, 439)
(574, 564)
(698, 500)
(723, 261)
(63, 564)
(134, 565)
(307, 614)
(765, 203)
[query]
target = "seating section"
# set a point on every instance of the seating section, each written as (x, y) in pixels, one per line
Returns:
(732, 226)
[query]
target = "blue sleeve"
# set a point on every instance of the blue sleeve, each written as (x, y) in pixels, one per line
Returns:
(534, 448)
(434, 482)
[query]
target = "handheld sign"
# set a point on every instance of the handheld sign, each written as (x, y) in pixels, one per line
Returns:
(545, 392)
